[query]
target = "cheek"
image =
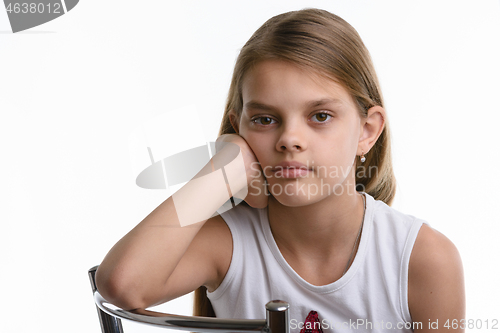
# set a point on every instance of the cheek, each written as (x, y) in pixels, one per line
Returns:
(256, 142)
(351, 138)
(262, 154)
(342, 149)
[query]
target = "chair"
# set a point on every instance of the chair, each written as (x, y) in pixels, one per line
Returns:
(110, 318)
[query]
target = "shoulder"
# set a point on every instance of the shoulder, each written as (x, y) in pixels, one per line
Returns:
(383, 213)
(241, 219)
(433, 254)
(239, 210)
(435, 278)
(393, 230)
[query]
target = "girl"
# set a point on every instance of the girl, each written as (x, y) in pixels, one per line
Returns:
(306, 113)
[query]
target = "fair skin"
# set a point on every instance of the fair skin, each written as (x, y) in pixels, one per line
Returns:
(279, 122)
(288, 114)
(314, 121)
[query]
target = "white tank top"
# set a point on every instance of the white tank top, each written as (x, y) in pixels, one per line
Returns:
(371, 296)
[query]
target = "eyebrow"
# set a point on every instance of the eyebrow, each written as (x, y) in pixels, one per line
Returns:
(311, 104)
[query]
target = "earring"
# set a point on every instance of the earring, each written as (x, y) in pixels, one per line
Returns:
(362, 158)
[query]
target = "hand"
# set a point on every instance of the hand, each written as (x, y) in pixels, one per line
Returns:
(257, 196)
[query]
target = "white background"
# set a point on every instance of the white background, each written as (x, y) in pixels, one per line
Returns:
(73, 90)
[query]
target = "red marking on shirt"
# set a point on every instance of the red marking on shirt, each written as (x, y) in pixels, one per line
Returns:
(312, 324)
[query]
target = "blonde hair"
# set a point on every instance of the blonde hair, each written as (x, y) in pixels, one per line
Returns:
(324, 43)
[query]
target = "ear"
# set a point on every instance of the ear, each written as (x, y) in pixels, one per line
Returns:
(233, 118)
(371, 128)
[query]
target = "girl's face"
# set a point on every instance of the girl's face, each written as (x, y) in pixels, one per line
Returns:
(290, 115)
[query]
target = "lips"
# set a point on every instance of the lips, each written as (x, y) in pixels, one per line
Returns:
(291, 169)
(291, 165)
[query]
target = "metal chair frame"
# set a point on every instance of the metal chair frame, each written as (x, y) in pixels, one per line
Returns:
(110, 318)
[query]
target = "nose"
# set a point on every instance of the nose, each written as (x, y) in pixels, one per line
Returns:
(291, 139)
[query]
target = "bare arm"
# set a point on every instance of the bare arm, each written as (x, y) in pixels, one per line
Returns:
(178, 247)
(436, 283)
(159, 259)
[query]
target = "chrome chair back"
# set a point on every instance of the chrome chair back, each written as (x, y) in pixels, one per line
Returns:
(110, 318)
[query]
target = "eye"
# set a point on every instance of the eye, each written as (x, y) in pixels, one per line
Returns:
(263, 120)
(321, 117)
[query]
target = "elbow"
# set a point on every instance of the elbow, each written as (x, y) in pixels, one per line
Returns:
(116, 289)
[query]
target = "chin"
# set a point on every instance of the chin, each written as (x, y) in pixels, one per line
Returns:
(297, 200)
(294, 195)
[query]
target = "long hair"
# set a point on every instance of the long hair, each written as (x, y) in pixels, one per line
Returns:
(324, 43)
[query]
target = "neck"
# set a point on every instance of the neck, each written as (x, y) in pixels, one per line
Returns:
(321, 230)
